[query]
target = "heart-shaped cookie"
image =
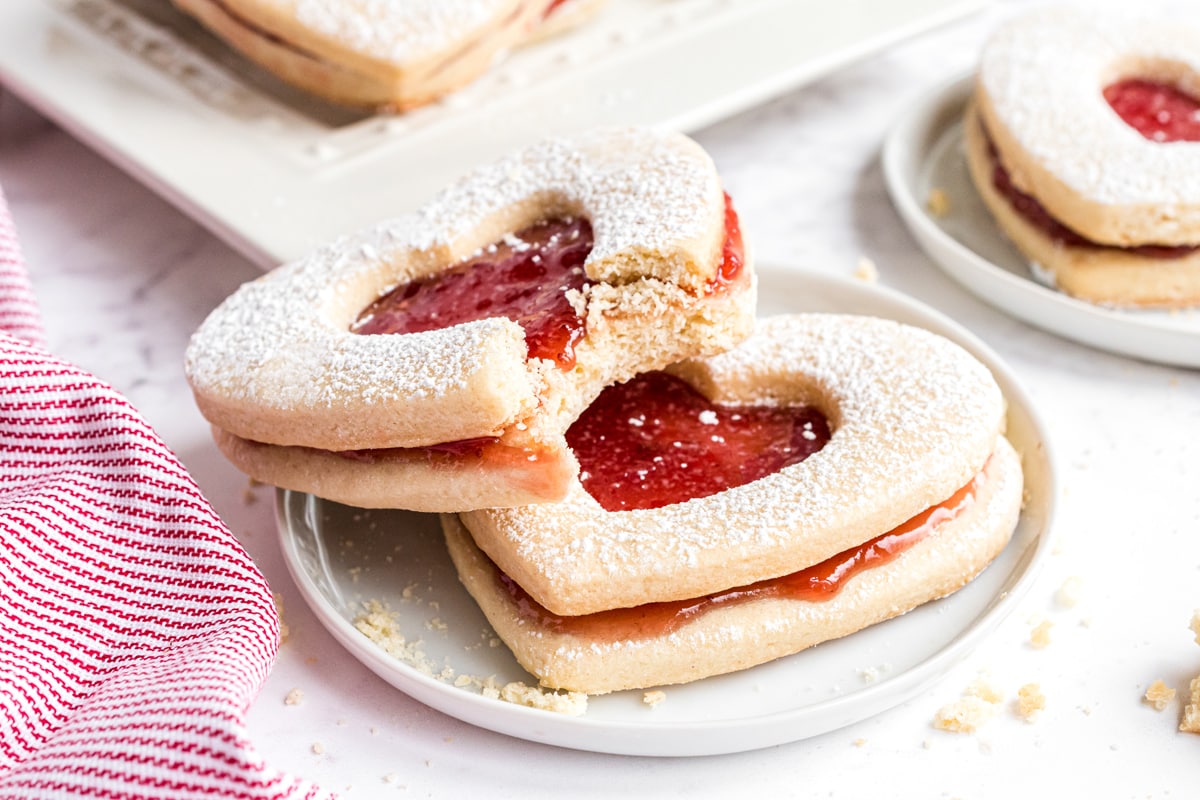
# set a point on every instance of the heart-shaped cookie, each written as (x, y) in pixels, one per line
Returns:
(621, 241)
(395, 54)
(914, 492)
(1083, 139)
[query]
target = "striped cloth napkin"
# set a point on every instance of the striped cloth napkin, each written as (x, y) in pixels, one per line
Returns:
(134, 630)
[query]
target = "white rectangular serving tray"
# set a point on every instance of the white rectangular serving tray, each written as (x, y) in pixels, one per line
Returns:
(275, 173)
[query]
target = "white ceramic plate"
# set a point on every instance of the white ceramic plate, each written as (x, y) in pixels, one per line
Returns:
(923, 151)
(276, 174)
(341, 557)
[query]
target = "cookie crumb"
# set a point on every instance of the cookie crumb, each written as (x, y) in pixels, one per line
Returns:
(860, 742)
(1195, 624)
(938, 202)
(1039, 637)
(294, 697)
(866, 271)
(1030, 701)
(572, 704)
(964, 715)
(984, 690)
(654, 697)
(1159, 695)
(318, 749)
(1191, 712)
(1070, 592)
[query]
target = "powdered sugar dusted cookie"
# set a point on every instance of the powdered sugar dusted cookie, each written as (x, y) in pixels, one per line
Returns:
(1084, 141)
(394, 54)
(834, 471)
(434, 361)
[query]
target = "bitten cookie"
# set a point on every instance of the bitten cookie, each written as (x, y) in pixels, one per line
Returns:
(894, 486)
(395, 54)
(435, 361)
(1083, 140)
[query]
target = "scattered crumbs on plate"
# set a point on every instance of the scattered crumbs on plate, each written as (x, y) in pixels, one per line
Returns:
(860, 742)
(1070, 592)
(1030, 701)
(294, 697)
(937, 202)
(1159, 695)
(1194, 625)
(866, 271)
(654, 697)
(1039, 637)
(573, 704)
(381, 626)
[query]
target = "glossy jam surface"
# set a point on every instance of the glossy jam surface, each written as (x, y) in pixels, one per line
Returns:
(1158, 111)
(655, 441)
(1036, 215)
(733, 251)
(814, 584)
(525, 277)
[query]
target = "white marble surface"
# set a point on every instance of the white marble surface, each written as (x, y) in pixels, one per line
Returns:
(123, 279)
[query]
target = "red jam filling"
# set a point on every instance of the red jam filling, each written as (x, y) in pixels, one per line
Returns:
(1156, 110)
(1036, 215)
(655, 441)
(733, 251)
(525, 277)
(816, 583)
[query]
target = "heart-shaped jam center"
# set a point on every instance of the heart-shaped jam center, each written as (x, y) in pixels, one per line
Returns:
(655, 441)
(525, 277)
(1158, 111)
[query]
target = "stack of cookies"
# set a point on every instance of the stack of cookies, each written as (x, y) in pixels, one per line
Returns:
(640, 482)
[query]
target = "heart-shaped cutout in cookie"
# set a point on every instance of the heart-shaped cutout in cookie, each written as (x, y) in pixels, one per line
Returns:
(1041, 100)
(1083, 142)
(914, 492)
(912, 417)
(633, 248)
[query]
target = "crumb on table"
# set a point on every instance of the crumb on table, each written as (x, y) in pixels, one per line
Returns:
(1159, 695)
(964, 715)
(1039, 637)
(1030, 701)
(1190, 723)
(654, 697)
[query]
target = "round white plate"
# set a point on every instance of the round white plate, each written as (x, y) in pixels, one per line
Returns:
(923, 151)
(341, 557)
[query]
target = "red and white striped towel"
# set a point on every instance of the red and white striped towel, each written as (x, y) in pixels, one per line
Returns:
(134, 630)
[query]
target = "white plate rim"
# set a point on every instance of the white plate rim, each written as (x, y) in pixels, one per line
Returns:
(699, 737)
(1124, 332)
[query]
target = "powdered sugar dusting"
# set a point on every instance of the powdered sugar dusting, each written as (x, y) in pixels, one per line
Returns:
(282, 344)
(1044, 74)
(397, 30)
(914, 416)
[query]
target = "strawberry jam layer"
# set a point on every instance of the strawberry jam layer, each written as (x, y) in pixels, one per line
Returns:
(733, 251)
(525, 277)
(816, 583)
(1156, 110)
(655, 441)
(1033, 212)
